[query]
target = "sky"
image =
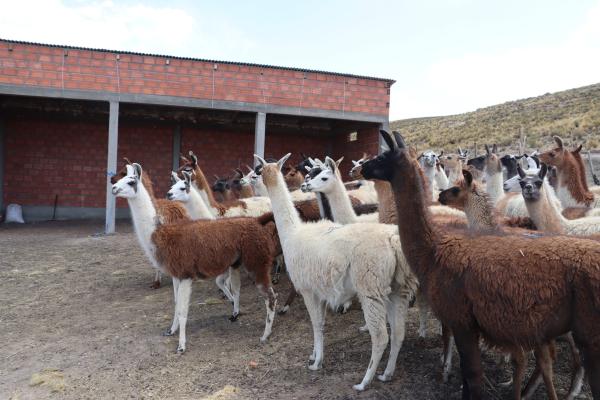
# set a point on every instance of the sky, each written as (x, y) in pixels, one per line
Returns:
(447, 57)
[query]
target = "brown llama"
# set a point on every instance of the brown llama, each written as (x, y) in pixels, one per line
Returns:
(202, 249)
(222, 189)
(571, 189)
(169, 211)
(513, 291)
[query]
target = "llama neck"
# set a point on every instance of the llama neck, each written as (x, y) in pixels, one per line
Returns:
(284, 212)
(480, 213)
(570, 189)
(246, 192)
(416, 233)
(202, 185)
(441, 180)
(545, 215)
(143, 215)
(341, 206)
(196, 206)
(429, 173)
(387, 207)
(455, 173)
(259, 188)
(494, 186)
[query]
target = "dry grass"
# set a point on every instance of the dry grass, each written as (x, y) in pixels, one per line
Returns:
(573, 114)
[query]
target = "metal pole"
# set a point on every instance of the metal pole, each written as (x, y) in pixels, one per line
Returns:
(259, 134)
(111, 165)
(176, 147)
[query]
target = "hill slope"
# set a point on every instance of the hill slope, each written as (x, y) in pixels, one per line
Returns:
(573, 114)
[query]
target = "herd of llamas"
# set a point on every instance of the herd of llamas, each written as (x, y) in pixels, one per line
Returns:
(502, 249)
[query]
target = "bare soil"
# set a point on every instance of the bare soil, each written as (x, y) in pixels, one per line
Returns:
(78, 320)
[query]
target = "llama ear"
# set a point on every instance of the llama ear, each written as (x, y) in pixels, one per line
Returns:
(578, 149)
(137, 169)
(174, 177)
(520, 171)
(355, 163)
(468, 177)
(495, 149)
(330, 163)
(282, 160)
(304, 157)
(543, 171)
(388, 140)
(558, 141)
(487, 149)
(339, 161)
(307, 168)
(260, 160)
(441, 153)
(188, 177)
(399, 140)
(126, 160)
(365, 156)
(216, 177)
(250, 169)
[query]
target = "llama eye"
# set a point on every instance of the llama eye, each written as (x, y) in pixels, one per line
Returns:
(551, 154)
(538, 184)
(182, 189)
(324, 179)
(522, 183)
(131, 183)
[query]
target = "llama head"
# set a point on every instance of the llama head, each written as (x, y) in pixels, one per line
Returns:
(457, 196)
(221, 185)
(293, 178)
(236, 179)
(127, 186)
(477, 163)
(355, 172)
(270, 171)
(557, 156)
(250, 177)
(322, 176)
(428, 159)
(532, 183)
(180, 191)
(188, 164)
(492, 161)
(384, 166)
(302, 166)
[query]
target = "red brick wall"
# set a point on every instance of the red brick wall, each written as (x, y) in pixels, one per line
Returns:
(218, 150)
(367, 141)
(37, 65)
(277, 145)
(46, 157)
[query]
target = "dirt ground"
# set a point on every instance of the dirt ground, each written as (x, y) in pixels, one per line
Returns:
(78, 320)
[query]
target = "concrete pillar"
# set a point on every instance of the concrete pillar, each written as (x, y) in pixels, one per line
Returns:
(2, 162)
(382, 145)
(176, 147)
(111, 165)
(259, 134)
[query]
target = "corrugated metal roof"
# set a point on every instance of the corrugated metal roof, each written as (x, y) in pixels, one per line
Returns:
(200, 59)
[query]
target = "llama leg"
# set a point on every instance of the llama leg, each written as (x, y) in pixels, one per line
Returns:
(544, 359)
(592, 366)
(397, 309)
(171, 331)
(270, 303)
(316, 311)
(423, 307)
(291, 296)
(235, 284)
(519, 364)
(183, 294)
(157, 279)
(448, 344)
(375, 316)
(534, 382)
(467, 343)
(577, 367)
(223, 281)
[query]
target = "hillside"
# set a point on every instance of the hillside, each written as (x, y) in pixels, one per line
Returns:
(573, 114)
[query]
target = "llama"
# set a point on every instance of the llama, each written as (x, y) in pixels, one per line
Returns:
(485, 286)
(222, 189)
(429, 161)
(240, 191)
(169, 212)
(480, 212)
(330, 264)
(453, 165)
(294, 179)
(250, 207)
(571, 189)
(541, 204)
(202, 249)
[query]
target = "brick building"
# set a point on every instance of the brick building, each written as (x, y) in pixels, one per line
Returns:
(68, 115)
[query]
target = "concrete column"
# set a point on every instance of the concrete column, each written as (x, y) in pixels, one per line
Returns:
(382, 145)
(176, 147)
(111, 165)
(259, 134)
(2, 162)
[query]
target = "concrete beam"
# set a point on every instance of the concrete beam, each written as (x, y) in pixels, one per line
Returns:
(35, 91)
(176, 147)
(386, 127)
(259, 134)
(2, 162)
(111, 165)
